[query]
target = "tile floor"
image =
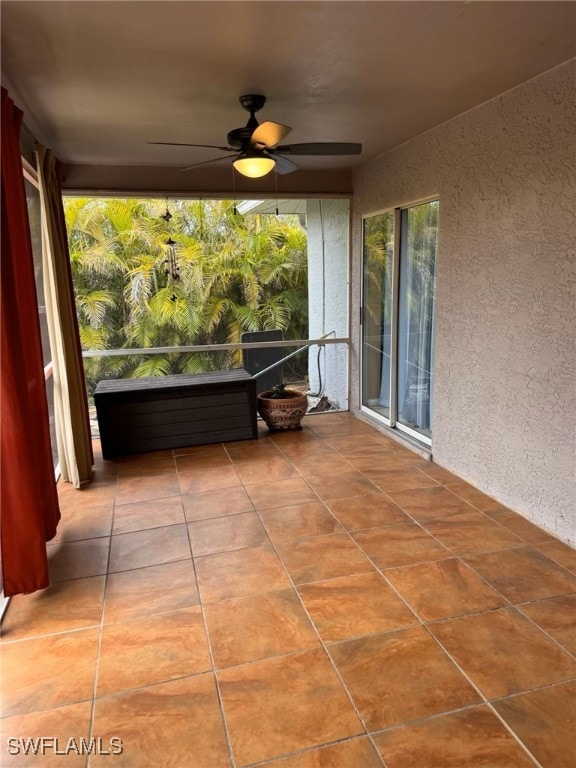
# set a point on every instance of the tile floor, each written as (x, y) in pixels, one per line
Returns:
(315, 599)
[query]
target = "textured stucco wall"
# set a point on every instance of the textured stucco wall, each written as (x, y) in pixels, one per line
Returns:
(505, 390)
(328, 229)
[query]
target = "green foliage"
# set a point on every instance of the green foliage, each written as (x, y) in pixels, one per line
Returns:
(237, 273)
(279, 392)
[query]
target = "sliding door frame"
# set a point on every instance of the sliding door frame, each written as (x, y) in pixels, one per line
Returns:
(392, 420)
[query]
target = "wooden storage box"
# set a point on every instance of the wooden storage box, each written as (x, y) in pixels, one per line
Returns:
(153, 414)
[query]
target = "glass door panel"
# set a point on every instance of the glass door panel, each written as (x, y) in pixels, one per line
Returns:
(35, 222)
(377, 312)
(419, 226)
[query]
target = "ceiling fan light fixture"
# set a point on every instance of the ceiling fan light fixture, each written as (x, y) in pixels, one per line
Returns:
(254, 164)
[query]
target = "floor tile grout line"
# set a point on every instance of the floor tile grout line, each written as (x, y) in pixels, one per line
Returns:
(323, 501)
(101, 631)
(511, 530)
(452, 554)
(428, 718)
(515, 736)
(323, 644)
(484, 698)
(307, 750)
(283, 655)
(495, 698)
(510, 603)
(544, 599)
(226, 729)
(146, 616)
(474, 508)
(534, 689)
(469, 707)
(327, 654)
(150, 565)
(404, 601)
(523, 746)
(548, 635)
(212, 671)
(556, 562)
(8, 643)
(459, 557)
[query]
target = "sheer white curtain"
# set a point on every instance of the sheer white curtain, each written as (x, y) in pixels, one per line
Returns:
(70, 402)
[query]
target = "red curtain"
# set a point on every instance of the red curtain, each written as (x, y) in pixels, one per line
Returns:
(29, 511)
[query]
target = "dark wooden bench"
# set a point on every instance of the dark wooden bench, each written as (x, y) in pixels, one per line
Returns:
(153, 414)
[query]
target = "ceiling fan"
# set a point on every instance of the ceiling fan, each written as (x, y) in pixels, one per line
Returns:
(257, 149)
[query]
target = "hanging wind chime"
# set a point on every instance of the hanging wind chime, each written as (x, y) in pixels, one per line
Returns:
(171, 266)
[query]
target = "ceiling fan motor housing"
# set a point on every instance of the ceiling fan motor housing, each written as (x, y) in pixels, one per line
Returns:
(240, 137)
(252, 102)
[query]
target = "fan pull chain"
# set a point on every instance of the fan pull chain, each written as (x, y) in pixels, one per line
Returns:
(276, 183)
(234, 208)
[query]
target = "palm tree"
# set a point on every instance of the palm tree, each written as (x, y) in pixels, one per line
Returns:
(236, 273)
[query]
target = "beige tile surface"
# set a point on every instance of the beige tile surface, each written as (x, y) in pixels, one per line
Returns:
(148, 514)
(277, 706)
(396, 545)
(326, 555)
(152, 649)
(474, 738)
(224, 534)
(63, 606)
(401, 676)
(323, 557)
(366, 511)
(216, 503)
(504, 653)
(164, 725)
(34, 676)
(557, 617)
(523, 574)
(544, 721)
(61, 723)
(443, 589)
(149, 547)
(236, 574)
(146, 591)
(258, 627)
(299, 521)
(353, 606)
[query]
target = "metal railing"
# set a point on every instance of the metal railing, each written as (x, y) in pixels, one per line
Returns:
(301, 343)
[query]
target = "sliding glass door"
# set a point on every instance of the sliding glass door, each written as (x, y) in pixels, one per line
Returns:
(377, 312)
(398, 317)
(35, 222)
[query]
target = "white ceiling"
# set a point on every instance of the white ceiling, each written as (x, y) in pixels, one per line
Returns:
(97, 80)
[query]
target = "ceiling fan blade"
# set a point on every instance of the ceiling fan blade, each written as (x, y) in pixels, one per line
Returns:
(205, 162)
(321, 148)
(268, 134)
(175, 144)
(283, 165)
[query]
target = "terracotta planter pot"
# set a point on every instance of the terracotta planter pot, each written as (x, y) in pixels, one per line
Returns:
(282, 413)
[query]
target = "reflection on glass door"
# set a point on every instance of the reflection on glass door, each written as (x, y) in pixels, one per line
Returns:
(398, 317)
(35, 222)
(377, 312)
(416, 316)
